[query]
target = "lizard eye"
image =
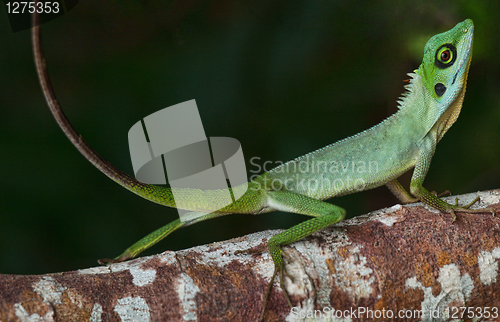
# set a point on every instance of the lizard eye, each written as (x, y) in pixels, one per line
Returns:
(445, 56)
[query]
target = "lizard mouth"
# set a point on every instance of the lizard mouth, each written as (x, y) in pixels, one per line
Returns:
(467, 56)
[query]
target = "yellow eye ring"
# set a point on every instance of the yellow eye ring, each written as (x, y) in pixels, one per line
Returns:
(445, 56)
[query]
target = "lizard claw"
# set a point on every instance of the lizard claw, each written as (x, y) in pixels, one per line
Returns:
(283, 286)
(468, 205)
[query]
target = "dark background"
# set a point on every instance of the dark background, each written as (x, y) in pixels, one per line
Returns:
(284, 79)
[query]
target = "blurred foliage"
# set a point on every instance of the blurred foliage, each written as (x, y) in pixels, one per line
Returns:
(284, 78)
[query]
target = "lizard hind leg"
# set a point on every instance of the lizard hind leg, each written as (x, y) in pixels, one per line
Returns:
(157, 235)
(325, 215)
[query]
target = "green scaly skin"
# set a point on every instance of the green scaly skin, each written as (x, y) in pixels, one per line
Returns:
(364, 161)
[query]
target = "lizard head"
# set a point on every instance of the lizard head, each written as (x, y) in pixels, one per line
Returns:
(444, 70)
(446, 61)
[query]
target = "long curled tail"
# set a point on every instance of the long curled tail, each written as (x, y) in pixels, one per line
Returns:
(157, 194)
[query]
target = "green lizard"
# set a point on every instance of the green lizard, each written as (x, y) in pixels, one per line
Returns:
(375, 157)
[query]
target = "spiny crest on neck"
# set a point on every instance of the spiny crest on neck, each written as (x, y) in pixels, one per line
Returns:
(409, 89)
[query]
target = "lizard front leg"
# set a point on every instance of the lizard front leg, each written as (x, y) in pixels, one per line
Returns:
(417, 189)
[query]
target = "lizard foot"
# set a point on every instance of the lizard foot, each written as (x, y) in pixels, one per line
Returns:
(279, 268)
(270, 287)
(466, 208)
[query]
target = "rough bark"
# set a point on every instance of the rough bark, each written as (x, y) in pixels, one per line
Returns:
(399, 260)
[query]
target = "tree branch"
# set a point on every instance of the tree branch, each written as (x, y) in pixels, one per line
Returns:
(398, 259)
